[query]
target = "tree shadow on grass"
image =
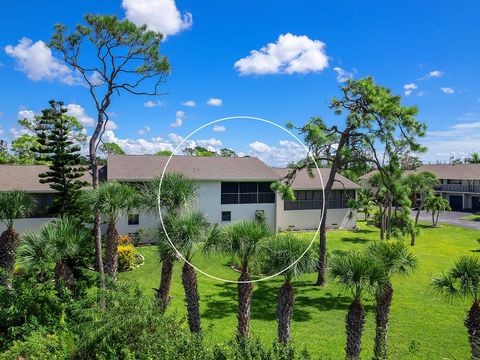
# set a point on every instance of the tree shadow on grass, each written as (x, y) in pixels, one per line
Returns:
(222, 304)
(355, 240)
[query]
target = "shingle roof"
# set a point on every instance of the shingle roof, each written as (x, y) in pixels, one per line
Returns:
(445, 171)
(304, 181)
(25, 177)
(145, 167)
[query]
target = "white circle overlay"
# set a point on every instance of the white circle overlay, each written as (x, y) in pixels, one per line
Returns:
(160, 194)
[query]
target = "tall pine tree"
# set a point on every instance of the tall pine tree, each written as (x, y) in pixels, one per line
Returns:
(58, 135)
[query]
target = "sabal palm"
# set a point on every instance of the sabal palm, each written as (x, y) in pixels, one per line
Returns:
(243, 241)
(188, 231)
(177, 193)
(112, 200)
(357, 273)
(366, 201)
(396, 258)
(279, 253)
(13, 205)
(422, 183)
(436, 205)
(463, 281)
(58, 241)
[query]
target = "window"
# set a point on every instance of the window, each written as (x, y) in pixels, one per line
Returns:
(226, 216)
(43, 206)
(313, 199)
(454, 182)
(133, 219)
(247, 193)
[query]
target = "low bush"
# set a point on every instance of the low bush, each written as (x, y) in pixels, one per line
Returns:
(126, 257)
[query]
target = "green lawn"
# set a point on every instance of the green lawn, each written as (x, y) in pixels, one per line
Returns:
(422, 325)
(473, 217)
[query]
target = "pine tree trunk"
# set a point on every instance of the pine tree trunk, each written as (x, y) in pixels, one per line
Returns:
(8, 251)
(244, 302)
(355, 321)
(162, 293)
(112, 251)
(383, 302)
(285, 302)
(189, 281)
(64, 278)
(97, 231)
(382, 221)
(472, 323)
(322, 255)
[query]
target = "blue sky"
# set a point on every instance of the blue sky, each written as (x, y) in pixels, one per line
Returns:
(427, 51)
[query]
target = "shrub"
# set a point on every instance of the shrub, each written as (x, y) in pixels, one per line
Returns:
(42, 344)
(28, 307)
(126, 257)
(124, 240)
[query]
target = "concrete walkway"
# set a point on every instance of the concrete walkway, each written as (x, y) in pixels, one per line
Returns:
(450, 217)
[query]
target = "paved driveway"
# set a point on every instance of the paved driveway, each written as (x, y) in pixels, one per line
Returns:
(451, 217)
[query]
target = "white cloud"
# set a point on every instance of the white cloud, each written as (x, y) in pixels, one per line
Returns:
(159, 15)
(179, 117)
(447, 90)
(215, 102)
(280, 155)
(144, 131)
(111, 125)
(289, 54)
(342, 75)
(189, 103)
(79, 113)
(16, 132)
(409, 88)
(150, 103)
(458, 140)
(219, 128)
(1, 130)
(26, 114)
(38, 63)
(432, 74)
(212, 142)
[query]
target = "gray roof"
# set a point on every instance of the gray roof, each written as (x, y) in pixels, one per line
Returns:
(445, 171)
(25, 177)
(146, 167)
(303, 181)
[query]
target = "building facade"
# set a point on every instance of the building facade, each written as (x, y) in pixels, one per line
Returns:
(229, 190)
(459, 184)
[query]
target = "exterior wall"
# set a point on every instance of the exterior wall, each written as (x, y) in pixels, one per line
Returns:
(23, 225)
(209, 201)
(310, 219)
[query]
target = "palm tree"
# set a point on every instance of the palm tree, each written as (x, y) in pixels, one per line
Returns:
(57, 242)
(279, 253)
(177, 192)
(463, 281)
(436, 205)
(366, 201)
(423, 184)
(396, 259)
(243, 241)
(13, 205)
(358, 273)
(112, 200)
(188, 231)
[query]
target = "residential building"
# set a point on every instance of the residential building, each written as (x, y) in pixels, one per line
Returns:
(230, 189)
(459, 184)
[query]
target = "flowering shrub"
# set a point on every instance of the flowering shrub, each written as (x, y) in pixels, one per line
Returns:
(126, 257)
(124, 239)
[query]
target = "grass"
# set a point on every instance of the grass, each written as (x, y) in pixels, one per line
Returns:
(422, 325)
(473, 217)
